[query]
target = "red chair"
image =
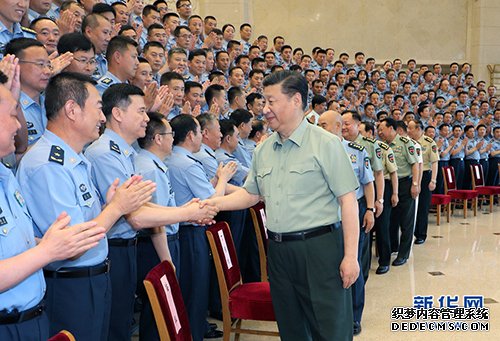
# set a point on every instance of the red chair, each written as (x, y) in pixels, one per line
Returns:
(439, 200)
(258, 213)
(165, 296)
(478, 184)
(450, 188)
(249, 301)
(63, 335)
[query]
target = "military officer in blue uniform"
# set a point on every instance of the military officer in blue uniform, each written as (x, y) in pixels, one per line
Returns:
(10, 27)
(243, 120)
(472, 154)
(22, 286)
(78, 289)
(230, 139)
(190, 181)
(332, 121)
(211, 140)
(112, 157)
(484, 151)
(457, 154)
(494, 158)
(156, 145)
(35, 71)
(122, 62)
(98, 30)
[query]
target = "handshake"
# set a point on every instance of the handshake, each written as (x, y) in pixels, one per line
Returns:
(202, 212)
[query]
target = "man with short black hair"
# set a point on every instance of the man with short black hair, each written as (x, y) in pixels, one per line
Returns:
(98, 30)
(308, 227)
(122, 62)
(35, 72)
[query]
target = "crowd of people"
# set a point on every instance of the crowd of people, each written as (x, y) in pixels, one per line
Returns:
(128, 128)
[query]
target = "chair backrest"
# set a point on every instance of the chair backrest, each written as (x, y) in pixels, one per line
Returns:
(449, 178)
(63, 335)
(258, 212)
(166, 301)
(477, 175)
(225, 259)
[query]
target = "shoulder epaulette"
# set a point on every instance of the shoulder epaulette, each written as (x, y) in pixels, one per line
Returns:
(29, 30)
(404, 139)
(56, 155)
(106, 80)
(8, 165)
(369, 139)
(428, 139)
(356, 146)
(114, 147)
(159, 167)
(383, 145)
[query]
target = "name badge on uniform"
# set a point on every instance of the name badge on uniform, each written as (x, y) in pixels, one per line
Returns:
(86, 196)
(19, 198)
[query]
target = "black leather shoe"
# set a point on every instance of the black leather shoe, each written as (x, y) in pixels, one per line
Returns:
(399, 261)
(419, 241)
(212, 326)
(213, 334)
(382, 269)
(356, 328)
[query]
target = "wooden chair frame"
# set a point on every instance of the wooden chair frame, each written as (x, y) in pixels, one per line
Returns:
(464, 201)
(157, 312)
(260, 244)
(224, 294)
(474, 186)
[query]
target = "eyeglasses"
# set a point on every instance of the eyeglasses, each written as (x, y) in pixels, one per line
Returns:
(186, 6)
(40, 64)
(91, 61)
(167, 133)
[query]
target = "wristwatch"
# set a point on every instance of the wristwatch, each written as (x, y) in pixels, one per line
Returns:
(370, 209)
(381, 201)
(433, 181)
(415, 183)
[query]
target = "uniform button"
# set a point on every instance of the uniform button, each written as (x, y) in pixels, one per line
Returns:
(4, 231)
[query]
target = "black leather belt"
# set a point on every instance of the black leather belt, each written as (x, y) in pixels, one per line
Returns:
(122, 242)
(405, 178)
(21, 316)
(88, 271)
(302, 235)
(172, 237)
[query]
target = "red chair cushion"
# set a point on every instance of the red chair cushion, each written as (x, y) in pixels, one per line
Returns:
(252, 301)
(488, 190)
(440, 199)
(464, 194)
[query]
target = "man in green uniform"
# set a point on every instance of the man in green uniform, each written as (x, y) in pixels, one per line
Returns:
(404, 213)
(428, 184)
(306, 180)
(367, 129)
